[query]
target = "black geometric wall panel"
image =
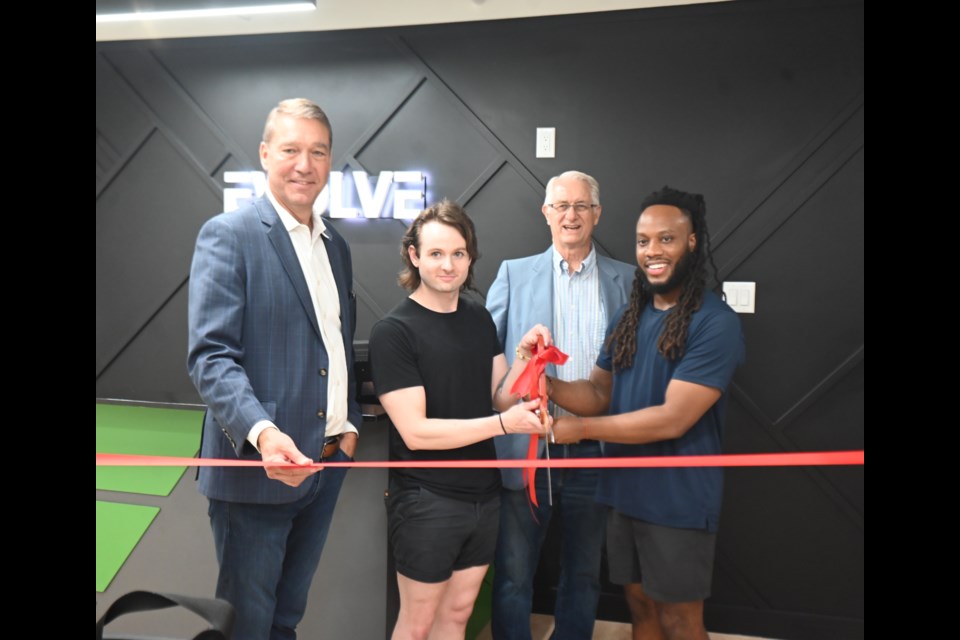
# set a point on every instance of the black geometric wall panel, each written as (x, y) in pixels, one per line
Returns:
(358, 79)
(147, 219)
(149, 368)
(506, 202)
(815, 282)
(422, 134)
(759, 106)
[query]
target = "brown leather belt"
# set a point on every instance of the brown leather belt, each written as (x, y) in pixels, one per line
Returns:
(331, 444)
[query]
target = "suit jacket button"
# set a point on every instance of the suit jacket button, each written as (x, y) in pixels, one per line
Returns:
(321, 414)
(323, 372)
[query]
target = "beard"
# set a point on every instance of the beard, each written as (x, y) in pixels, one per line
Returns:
(676, 279)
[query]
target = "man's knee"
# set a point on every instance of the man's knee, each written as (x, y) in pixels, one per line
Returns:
(414, 622)
(642, 607)
(457, 613)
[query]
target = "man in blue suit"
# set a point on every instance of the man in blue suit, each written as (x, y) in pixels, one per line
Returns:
(271, 322)
(574, 291)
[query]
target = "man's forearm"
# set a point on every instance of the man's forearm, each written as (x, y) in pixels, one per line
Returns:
(580, 397)
(684, 404)
(652, 424)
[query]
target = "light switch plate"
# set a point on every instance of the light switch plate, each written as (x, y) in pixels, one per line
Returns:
(741, 296)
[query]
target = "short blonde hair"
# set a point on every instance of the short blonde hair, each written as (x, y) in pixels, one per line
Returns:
(296, 108)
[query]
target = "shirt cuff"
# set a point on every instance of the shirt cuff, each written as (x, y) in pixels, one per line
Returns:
(347, 428)
(257, 429)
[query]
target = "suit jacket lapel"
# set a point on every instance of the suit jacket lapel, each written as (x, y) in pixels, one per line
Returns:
(344, 287)
(611, 287)
(280, 239)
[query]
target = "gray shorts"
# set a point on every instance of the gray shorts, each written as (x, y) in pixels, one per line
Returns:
(673, 565)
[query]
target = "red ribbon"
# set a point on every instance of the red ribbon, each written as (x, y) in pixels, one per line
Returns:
(528, 384)
(804, 459)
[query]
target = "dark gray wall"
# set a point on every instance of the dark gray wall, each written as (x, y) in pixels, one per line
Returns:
(759, 106)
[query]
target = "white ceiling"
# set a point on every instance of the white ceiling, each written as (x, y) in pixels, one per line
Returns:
(332, 15)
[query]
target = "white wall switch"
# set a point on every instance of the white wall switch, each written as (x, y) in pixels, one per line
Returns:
(741, 296)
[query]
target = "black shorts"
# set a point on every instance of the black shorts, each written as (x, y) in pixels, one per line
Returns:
(673, 565)
(432, 536)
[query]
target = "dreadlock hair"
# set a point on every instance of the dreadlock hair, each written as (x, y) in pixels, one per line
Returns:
(673, 338)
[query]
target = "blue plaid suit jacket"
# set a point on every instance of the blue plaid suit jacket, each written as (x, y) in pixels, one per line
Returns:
(255, 351)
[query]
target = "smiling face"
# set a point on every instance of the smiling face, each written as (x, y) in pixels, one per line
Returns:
(297, 162)
(571, 231)
(442, 260)
(665, 244)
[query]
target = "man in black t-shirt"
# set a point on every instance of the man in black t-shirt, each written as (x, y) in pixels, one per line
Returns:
(440, 372)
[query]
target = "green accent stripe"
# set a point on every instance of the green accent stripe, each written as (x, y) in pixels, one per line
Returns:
(145, 431)
(119, 529)
(482, 607)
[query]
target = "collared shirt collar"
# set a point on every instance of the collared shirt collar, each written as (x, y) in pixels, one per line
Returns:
(290, 223)
(560, 264)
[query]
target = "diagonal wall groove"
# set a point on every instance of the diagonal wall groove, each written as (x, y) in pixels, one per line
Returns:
(844, 118)
(367, 137)
(140, 330)
(122, 163)
(821, 388)
(170, 134)
(775, 220)
(786, 445)
(508, 155)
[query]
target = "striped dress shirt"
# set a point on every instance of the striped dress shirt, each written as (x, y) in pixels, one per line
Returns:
(579, 317)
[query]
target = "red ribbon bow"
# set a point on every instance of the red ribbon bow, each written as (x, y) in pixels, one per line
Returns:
(532, 383)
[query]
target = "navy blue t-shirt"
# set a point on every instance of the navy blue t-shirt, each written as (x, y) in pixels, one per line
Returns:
(686, 498)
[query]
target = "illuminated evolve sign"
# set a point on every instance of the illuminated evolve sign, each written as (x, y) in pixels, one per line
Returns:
(347, 194)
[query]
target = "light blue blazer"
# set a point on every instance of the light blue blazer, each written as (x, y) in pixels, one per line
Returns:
(522, 296)
(255, 351)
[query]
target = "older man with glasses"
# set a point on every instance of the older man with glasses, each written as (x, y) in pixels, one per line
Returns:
(574, 291)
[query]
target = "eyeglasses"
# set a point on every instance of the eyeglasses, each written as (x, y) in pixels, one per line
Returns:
(579, 207)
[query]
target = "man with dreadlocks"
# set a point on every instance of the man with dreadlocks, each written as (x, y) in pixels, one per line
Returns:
(661, 379)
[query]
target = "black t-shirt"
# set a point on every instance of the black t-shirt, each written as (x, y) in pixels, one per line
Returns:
(451, 356)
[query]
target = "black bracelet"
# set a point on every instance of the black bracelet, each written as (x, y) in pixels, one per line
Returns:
(499, 415)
